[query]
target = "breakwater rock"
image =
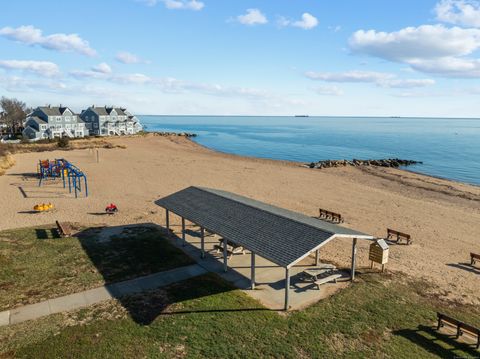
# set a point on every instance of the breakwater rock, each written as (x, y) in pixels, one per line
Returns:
(388, 162)
(180, 134)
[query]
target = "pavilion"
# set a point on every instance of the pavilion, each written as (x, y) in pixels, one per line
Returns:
(281, 236)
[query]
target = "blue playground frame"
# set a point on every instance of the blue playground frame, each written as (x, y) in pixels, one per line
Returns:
(61, 168)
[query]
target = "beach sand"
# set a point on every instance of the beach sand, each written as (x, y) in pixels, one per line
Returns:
(443, 217)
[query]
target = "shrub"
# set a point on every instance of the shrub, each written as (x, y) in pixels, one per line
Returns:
(63, 142)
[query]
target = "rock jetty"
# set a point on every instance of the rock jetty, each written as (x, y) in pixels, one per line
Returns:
(180, 134)
(388, 162)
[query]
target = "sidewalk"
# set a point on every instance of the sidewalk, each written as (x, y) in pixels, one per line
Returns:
(96, 295)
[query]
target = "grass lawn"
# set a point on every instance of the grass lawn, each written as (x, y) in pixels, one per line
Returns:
(380, 316)
(37, 265)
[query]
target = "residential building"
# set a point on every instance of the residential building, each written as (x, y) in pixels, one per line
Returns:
(51, 122)
(108, 121)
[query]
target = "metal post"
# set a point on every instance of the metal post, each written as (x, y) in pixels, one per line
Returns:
(317, 257)
(252, 273)
(225, 255)
(287, 287)
(167, 215)
(354, 259)
(183, 231)
(86, 187)
(69, 182)
(202, 235)
(97, 157)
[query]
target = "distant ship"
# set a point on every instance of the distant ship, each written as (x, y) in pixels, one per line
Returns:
(301, 116)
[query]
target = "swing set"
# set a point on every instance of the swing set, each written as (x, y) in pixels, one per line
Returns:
(69, 173)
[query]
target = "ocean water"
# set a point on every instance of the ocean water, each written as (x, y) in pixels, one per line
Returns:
(449, 148)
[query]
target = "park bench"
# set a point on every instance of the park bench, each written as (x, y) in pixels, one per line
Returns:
(330, 216)
(397, 236)
(64, 229)
(330, 278)
(462, 328)
(231, 248)
(474, 258)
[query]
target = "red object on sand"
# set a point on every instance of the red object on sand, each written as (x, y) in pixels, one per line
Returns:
(111, 208)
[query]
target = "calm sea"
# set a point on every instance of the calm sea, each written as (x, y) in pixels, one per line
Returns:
(449, 148)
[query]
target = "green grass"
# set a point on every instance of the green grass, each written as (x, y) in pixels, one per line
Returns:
(36, 265)
(380, 316)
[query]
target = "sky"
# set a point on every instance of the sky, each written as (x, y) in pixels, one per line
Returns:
(245, 57)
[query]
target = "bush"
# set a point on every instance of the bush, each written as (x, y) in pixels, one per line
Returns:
(63, 142)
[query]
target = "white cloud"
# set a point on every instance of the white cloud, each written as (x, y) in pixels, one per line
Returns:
(252, 17)
(44, 68)
(349, 76)
(459, 12)
(381, 79)
(177, 4)
(102, 68)
(328, 90)
(30, 35)
(427, 48)
(128, 58)
(307, 22)
(132, 79)
(21, 84)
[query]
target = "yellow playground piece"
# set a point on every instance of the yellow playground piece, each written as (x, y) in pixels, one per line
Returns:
(43, 207)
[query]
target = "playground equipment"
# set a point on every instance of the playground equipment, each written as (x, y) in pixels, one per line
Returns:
(43, 207)
(61, 168)
(111, 209)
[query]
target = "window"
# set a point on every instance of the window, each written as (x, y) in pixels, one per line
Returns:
(68, 126)
(43, 127)
(67, 118)
(59, 118)
(95, 125)
(58, 127)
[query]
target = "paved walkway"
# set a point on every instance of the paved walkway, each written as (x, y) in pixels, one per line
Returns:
(96, 295)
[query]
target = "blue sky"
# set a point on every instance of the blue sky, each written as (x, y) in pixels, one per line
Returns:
(241, 57)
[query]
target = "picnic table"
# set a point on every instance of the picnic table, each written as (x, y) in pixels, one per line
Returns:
(313, 273)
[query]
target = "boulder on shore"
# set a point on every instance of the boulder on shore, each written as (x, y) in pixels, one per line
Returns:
(388, 162)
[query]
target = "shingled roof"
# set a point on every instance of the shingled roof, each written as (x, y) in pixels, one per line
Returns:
(279, 235)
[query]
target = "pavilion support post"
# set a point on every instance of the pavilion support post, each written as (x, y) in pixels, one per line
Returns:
(167, 220)
(317, 257)
(225, 255)
(354, 259)
(252, 271)
(287, 288)
(183, 232)
(202, 237)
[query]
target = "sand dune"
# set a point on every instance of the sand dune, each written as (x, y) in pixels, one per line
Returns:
(443, 217)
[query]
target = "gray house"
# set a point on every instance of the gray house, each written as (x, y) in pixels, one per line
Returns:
(109, 121)
(51, 122)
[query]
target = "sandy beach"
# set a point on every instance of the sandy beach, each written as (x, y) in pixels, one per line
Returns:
(443, 217)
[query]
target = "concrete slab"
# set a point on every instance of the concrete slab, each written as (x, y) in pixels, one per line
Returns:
(68, 302)
(97, 295)
(269, 277)
(28, 312)
(4, 318)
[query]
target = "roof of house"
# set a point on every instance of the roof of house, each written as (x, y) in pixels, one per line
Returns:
(101, 111)
(37, 119)
(279, 235)
(54, 110)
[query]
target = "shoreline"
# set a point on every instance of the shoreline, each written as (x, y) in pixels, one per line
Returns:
(442, 216)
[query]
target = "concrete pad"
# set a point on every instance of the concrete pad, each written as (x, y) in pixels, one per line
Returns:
(97, 295)
(28, 312)
(4, 318)
(68, 302)
(124, 288)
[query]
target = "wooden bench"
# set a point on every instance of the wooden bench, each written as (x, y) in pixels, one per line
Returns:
(64, 229)
(462, 328)
(330, 278)
(234, 249)
(474, 258)
(330, 216)
(397, 236)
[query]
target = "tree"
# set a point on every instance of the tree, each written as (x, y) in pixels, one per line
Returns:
(13, 113)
